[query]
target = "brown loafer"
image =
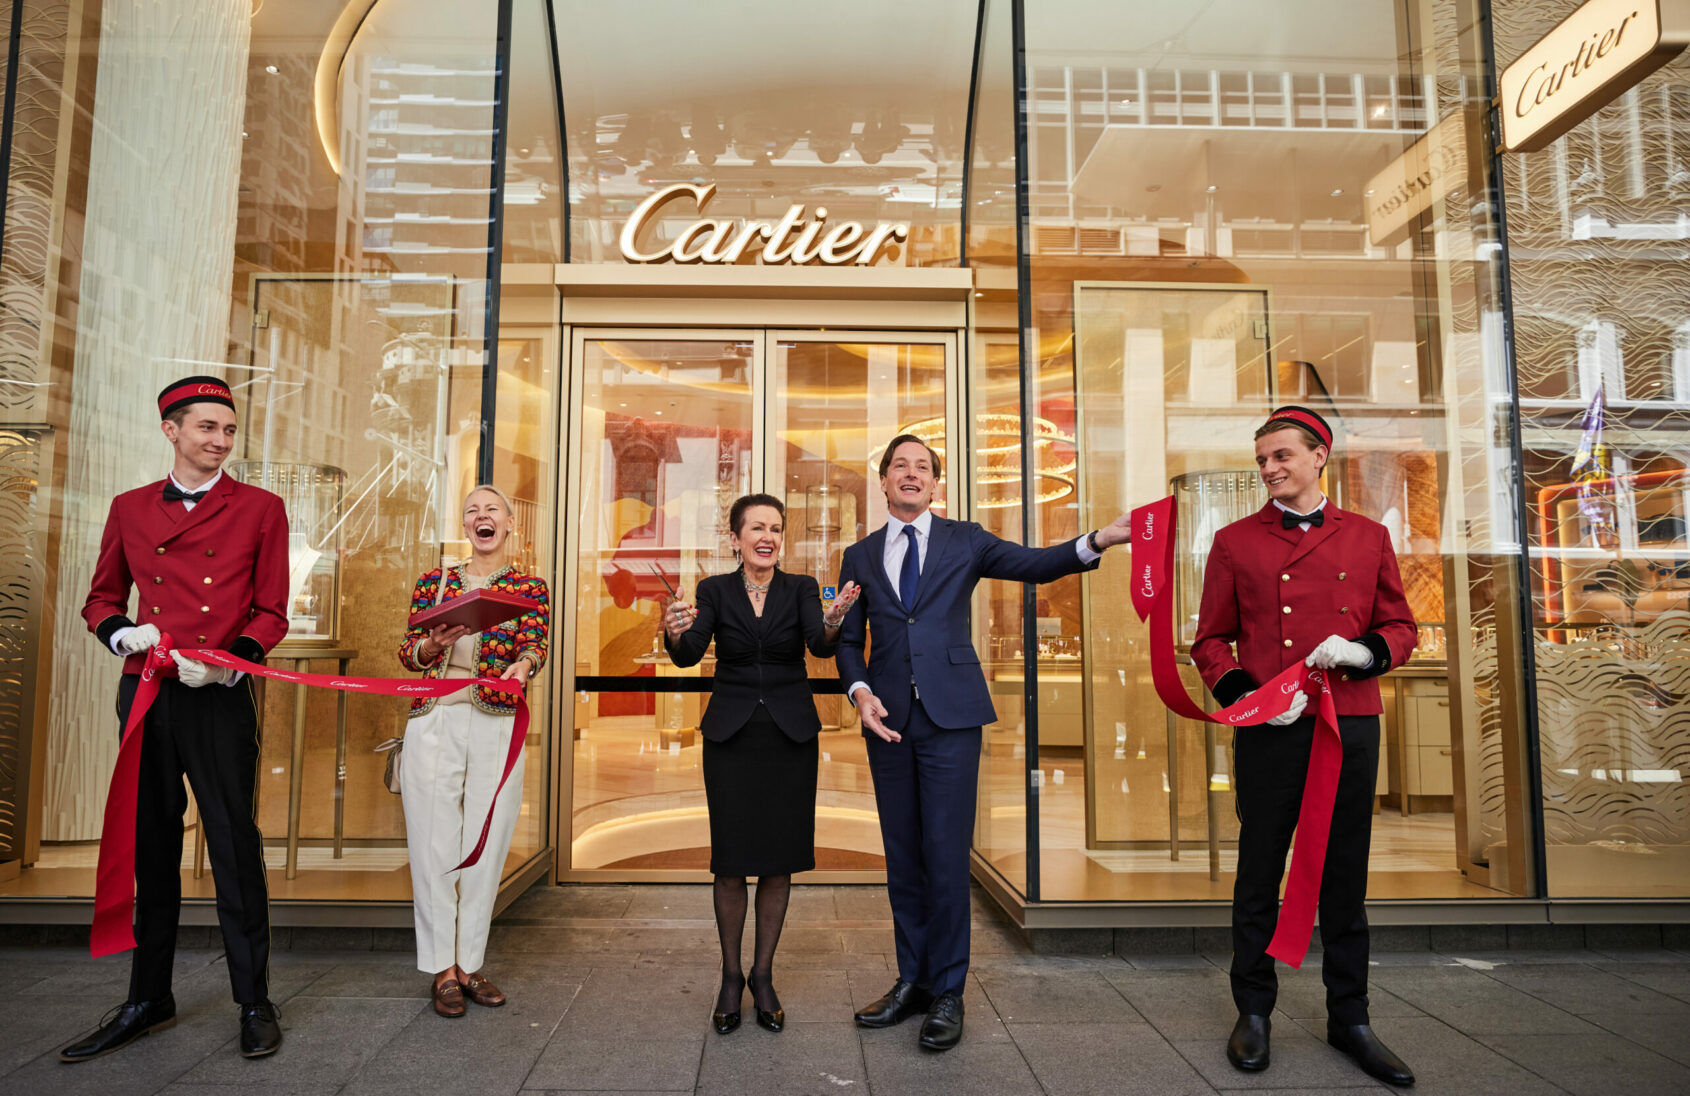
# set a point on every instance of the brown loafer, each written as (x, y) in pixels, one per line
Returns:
(483, 992)
(449, 999)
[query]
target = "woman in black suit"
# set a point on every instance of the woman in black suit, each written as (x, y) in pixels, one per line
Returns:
(760, 727)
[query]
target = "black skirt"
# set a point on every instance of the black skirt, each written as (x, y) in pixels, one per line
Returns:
(761, 787)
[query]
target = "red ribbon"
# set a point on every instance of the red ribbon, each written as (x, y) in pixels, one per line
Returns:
(1152, 594)
(114, 887)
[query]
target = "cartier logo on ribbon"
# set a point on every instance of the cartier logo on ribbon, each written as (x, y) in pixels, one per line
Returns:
(1155, 604)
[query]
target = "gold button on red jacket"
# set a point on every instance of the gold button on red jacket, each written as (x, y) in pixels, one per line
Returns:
(236, 536)
(1338, 578)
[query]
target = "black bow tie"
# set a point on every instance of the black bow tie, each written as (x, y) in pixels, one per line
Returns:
(173, 493)
(1288, 519)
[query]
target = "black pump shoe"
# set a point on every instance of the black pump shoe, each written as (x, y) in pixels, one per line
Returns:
(125, 1024)
(770, 1021)
(725, 1022)
(1247, 1049)
(1373, 1056)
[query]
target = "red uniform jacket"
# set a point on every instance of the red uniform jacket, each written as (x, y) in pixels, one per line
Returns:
(214, 576)
(1275, 593)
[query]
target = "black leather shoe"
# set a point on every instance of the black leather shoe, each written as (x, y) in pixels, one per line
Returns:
(903, 1000)
(1248, 1047)
(261, 1029)
(1374, 1057)
(122, 1026)
(942, 1029)
(769, 1021)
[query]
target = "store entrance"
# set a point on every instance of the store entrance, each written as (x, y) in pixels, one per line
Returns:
(669, 427)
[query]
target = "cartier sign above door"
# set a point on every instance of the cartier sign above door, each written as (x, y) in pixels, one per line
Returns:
(1590, 59)
(795, 238)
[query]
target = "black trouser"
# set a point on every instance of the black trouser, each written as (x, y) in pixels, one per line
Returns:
(211, 735)
(1271, 764)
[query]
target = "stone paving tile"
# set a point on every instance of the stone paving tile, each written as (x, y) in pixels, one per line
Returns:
(252, 1088)
(1586, 991)
(1665, 1035)
(207, 1024)
(1300, 1060)
(1477, 1005)
(692, 902)
(620, 1000)
(1192, 1004)
(802, 1060)
(325, 1040)
(1443, 1059)
(1667, 973)
(1079, 997)
(986, 1061)
(498, 1046)
(38, 1025)
(1105, 1059)
(1595, 1065)
(1303, 995)
(811, 904)
(863, 903)
(569, 903)
(609, 1061)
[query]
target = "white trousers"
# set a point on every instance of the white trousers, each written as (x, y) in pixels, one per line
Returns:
(453, 757)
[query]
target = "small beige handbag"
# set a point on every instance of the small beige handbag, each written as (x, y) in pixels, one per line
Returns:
(394, 748)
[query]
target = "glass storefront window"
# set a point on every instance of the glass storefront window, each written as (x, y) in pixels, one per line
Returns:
(1601, 304)
(1204, 244)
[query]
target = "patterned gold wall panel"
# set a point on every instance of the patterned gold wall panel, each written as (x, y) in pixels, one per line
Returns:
(163, 173)
(1601, 296)
(22, 578)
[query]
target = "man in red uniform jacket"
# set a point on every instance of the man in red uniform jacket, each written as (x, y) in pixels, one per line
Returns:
(209, 558)
(1303, 580)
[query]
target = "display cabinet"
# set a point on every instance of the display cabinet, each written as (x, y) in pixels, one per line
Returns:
(313, 494)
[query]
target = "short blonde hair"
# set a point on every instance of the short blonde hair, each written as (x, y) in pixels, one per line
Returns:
(502, 497)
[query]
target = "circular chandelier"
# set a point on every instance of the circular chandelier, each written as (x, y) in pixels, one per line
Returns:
(999, 475)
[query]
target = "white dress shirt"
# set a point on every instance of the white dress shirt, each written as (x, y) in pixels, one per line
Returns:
(897, 546)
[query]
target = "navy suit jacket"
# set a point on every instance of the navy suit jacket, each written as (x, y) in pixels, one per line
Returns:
(931, 642)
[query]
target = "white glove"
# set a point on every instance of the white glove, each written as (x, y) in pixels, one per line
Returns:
(1293, 713)
(1338, 651)
(194, 674)
(143, 637)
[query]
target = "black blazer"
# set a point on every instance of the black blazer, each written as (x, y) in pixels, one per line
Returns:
(757, 658)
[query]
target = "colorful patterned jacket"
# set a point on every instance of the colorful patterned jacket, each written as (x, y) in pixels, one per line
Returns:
(499, 647)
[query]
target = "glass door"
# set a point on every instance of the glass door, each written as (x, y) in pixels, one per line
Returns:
(672, 426)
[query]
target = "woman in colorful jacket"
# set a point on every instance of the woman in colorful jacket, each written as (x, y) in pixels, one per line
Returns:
(455, 749)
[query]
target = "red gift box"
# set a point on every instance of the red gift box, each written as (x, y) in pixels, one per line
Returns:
(477, 610)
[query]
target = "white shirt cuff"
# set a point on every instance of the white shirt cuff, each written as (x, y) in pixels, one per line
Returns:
(851, 693)
(116, 638)
(1082, 547)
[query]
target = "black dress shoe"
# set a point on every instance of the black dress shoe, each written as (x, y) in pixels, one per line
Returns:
(122, 1026)
(942, 1029)
(1373, 1056)
(903, 1000)
(261, 1029)
(769, 1021)
(1248, 1047)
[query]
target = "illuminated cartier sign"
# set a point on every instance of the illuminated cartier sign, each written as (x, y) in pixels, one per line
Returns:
(1591, 58)
(789, 240)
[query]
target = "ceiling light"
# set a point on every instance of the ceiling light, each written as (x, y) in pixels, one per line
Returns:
(1126, 102)
(1210, 189)
(271, 69)
(1368, 193)
(1337, 192)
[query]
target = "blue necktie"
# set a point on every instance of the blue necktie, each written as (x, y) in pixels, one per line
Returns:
(912, 570)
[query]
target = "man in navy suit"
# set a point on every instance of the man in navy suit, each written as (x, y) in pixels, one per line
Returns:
(923, 699)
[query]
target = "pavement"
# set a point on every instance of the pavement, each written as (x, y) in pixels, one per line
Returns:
(611, 989)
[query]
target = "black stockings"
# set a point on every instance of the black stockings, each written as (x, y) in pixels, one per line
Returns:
(773, 892)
